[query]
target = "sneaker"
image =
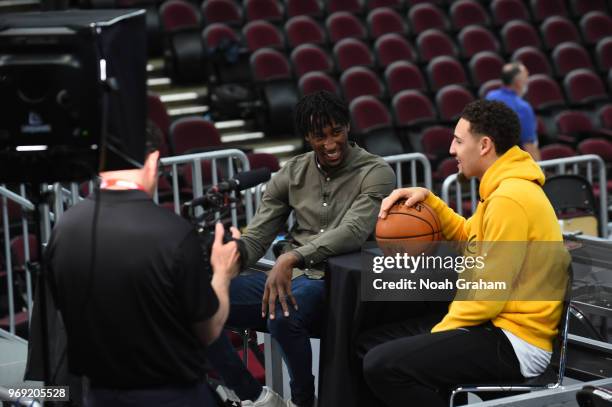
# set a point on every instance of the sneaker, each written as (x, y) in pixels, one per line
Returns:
(267, 398)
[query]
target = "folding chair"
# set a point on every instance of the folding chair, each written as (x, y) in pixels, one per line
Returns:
(548, 379)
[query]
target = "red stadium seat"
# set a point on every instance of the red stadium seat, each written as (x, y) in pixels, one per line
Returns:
(583, 86)
(351, 52)
(304, 30)
(316, 81)
(544, 93)
(603, 53)
(342, 25)
(178, 15)
(534, 60)
(595, 26)
(485, 66)
(543, 9)
(518, 34)
(426, 16)
(474, 39)
(193, 133)
(507, 10)
(270, 10)
(569, 56)
(368, 113)
(402, 75)
(445, 70)
(359, 81)
(556, 30)
(383, 21)
(433, 43)
(411, 108)
(468, 12)
(451, 100)
(261, 34)
(309, 58)
(269, 64)
(310, 8)
(390, 48)
(222, 11)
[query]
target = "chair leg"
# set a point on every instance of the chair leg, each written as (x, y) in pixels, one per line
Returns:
(245, 346)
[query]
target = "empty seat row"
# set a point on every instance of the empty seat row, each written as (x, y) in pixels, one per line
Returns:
(420, 15)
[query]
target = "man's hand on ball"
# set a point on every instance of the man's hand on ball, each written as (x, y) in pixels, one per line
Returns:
(411, 195)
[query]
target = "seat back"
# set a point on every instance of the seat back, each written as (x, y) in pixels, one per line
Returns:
(468, 12)
(534, 60)
(506, 10)
(569, 56)
(545, 8)
(222, 11)
(583, 86)
(393, 47)
(595, 25)
(556, 30)
(485, 66)
(368, 113)
(260, 34)
(178, 15)
(304, 30)
(474, 39)
(342, 25)
(310, 58)
(351, 52)
(432, 43)
(570, 195)
(517, 34)
(303, 8)
(316, 81)
(383, 21)
(427, 16)
(402, 75)
(269, 10)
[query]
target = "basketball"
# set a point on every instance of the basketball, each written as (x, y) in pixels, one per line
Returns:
(412, 230)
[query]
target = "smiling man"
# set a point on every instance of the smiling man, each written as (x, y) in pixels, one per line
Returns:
(486, 339)
(334, 192)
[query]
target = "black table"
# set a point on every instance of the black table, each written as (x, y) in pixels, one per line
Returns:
(340, 373)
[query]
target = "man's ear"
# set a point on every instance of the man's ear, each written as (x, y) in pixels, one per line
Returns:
(486, 145)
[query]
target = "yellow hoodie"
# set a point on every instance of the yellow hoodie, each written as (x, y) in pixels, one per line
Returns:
(512, 208)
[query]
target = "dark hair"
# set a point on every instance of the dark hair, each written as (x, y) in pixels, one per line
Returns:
(154, 137)
(318, 110)
(496, 120)
(509, 72)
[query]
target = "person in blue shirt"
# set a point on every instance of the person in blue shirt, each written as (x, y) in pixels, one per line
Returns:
(514, 77)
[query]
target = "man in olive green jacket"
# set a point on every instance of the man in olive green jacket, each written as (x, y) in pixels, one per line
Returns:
(335, 193)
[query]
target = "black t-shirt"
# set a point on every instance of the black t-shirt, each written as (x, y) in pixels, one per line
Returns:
(129, 318)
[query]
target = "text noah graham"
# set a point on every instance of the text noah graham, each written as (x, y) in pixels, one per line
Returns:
(428, 284)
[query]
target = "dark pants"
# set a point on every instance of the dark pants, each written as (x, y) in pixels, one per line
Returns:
(292, 333)
(406, 365)
(179, 396)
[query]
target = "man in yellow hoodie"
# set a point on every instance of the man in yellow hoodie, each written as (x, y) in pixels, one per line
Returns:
(480, 338)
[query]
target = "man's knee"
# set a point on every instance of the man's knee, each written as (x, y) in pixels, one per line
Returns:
(285, 325)
(377, 363)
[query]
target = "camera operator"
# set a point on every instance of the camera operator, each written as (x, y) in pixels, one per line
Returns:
(133, 286)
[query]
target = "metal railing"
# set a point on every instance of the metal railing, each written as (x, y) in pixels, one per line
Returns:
(413, 159)
(65, 196)
(582, 164)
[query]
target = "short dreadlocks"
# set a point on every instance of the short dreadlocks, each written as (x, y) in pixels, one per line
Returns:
(318, 110)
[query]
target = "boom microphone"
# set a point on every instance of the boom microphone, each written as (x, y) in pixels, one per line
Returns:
(243, 180)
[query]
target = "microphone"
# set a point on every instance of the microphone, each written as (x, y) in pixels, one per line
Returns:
(243, 180)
